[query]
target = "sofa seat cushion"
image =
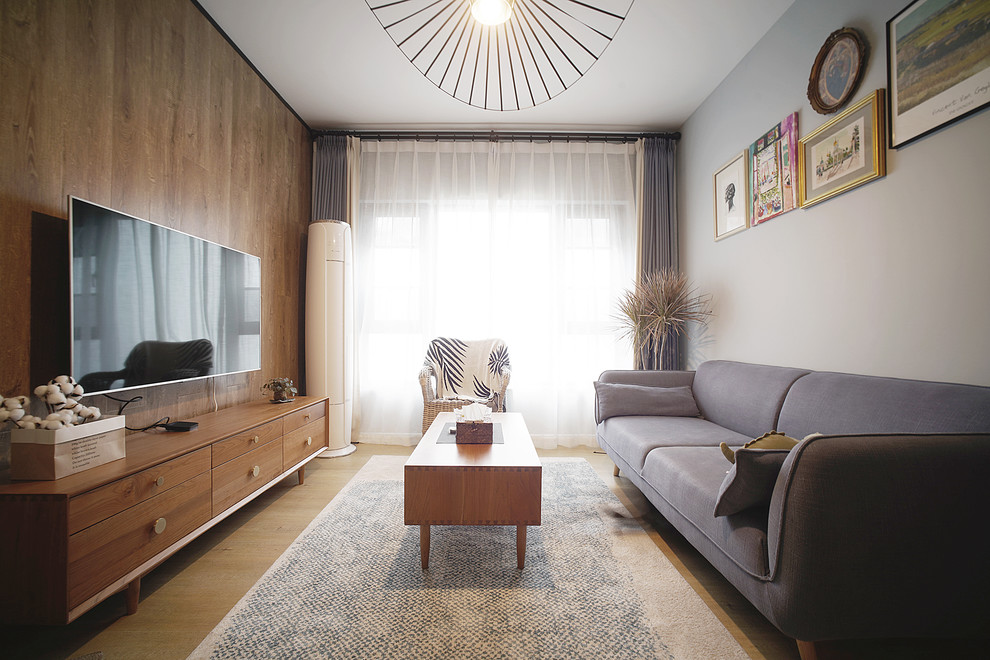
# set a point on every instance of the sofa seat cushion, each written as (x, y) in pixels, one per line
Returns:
(633, 438)
(689, 478)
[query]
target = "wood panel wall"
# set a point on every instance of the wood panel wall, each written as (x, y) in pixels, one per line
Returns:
(144, 107)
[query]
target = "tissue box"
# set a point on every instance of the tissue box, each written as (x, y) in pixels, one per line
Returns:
(43, 454)
(474, 433)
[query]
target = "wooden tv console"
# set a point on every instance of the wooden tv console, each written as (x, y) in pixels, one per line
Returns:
(67, 545)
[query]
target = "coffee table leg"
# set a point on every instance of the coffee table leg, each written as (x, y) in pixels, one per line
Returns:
(520, 546)
(424, 545)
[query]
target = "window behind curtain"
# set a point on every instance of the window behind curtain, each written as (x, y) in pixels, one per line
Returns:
(530, 242)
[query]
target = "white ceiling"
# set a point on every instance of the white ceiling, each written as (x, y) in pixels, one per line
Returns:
(335, 65)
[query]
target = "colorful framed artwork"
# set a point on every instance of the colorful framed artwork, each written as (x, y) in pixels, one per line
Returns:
(773, 171)
(845, 153)
(732, 197)
(938, 65)
(837, 70)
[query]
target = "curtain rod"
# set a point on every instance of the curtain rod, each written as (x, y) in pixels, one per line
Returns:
(496, 136)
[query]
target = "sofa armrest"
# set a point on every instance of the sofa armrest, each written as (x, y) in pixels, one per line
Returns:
(880, 536)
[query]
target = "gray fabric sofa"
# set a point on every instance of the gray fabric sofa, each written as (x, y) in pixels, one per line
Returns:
(877, 529)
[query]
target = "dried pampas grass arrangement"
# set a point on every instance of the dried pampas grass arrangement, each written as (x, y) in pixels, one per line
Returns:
(658, 307)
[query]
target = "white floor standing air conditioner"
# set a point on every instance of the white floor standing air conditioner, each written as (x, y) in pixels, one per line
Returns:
(329, 327)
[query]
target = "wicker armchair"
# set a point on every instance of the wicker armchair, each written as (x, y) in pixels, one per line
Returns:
(457, 373)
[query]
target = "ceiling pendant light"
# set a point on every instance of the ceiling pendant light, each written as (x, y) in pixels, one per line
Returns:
(491, 12)
(502, 54)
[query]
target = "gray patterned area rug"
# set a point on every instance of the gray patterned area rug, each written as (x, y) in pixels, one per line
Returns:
(351, 586)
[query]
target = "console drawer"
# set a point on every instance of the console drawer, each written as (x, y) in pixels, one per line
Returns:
(303, 417)
(96, 505)
(103, 552)
(236, 479)
(304, 442)
(236, 445)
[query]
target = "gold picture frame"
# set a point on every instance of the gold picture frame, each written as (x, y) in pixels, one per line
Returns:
(731, 185)
(844, 153)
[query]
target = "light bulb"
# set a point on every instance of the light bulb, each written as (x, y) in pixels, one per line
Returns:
(491, 12)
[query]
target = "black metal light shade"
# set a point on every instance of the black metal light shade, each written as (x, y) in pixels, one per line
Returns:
(544, 46)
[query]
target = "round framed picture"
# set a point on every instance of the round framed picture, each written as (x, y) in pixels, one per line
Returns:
(837, 71)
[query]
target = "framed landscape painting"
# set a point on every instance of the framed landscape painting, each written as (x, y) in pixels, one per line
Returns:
(844, 153)
(938, 65)
(731, 197)
(773, 171)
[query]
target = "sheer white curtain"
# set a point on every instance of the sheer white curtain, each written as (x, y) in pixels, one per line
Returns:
(531, 242)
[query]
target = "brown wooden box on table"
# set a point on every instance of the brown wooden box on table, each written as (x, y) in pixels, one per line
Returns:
(474, 433)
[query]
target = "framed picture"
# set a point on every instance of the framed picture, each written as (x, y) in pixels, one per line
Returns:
(773, 172)
(837, 70)
(938, 65)
(732, 197)
(846, 152)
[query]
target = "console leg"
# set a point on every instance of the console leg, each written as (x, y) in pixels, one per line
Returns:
(302, 475)
(133, 595)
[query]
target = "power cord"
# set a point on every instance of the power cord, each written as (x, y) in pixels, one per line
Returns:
(161, 423)
(124, 402)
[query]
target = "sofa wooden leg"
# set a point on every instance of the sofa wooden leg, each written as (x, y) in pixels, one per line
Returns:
(807, 650)
(615, 470)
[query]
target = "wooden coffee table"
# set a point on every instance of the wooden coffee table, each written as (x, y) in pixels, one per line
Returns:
(496, 484)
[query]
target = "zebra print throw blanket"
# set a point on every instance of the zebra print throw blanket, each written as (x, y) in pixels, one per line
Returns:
(468, 369)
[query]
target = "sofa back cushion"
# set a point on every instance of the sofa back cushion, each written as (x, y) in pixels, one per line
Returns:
(745, 398)
(835, 403)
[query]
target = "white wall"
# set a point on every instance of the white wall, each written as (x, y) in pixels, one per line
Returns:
(890, 278)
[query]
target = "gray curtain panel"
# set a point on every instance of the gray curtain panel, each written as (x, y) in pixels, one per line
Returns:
(659, 236)
(330, 178)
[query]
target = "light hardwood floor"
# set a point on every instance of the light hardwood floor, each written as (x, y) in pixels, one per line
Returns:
(185, 597)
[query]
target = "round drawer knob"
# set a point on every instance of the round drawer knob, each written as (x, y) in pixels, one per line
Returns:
(159, 526)
(309, 441)
(255, 439)
(256, 470)
(160, 481)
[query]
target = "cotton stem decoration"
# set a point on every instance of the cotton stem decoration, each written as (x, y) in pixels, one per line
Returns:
(61, 397)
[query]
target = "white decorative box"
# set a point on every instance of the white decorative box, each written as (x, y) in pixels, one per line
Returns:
(47, 455)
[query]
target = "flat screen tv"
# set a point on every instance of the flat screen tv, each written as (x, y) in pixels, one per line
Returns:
(153, 305)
